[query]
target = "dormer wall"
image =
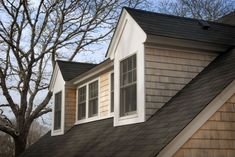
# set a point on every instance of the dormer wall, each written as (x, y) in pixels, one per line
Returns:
(168, 70)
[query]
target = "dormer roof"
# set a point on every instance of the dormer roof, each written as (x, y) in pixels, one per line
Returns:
(70, 70)
(183, 28)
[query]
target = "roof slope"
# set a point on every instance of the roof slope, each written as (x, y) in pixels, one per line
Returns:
(101, 139)
(71, 70)
(182, 28)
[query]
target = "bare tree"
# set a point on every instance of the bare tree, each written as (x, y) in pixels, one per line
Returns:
(32, 35)
(200, 9)
(7, 144)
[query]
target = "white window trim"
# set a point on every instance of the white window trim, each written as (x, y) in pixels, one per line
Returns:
(88, 119)
(135, 115)
(61, 130)
(139, 116)
(111, 114)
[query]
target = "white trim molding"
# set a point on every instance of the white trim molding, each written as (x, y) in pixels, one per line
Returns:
(111, 114)
(197, 122)
(57, 86)
(88, 119)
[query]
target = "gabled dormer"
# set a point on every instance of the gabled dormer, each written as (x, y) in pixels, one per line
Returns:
(64, 94)
(155, 57)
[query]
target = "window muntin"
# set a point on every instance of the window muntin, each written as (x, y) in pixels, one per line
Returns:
(93, 99)
(57, 111)
(128, 93)
(112, 92)
(81, 103)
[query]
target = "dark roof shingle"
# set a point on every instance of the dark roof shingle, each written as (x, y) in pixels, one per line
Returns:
(71, 70)
(182, 28)
(101, 139)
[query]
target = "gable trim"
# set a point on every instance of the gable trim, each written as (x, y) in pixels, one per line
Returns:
(117, 34)
(197, 122)
(53, 78)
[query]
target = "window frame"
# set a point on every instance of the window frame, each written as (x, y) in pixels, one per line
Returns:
(110, 92)
(131, 113)
(54, 113)
(79, 103)
(93, 98)
(87, 118)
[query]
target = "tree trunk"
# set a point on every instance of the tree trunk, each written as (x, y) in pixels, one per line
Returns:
(20, 144)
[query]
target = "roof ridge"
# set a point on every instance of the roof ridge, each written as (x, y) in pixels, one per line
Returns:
(178, 17)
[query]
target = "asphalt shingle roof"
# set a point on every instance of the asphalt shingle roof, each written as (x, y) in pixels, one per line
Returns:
(182, 28)
(71, 70)
(101, 139)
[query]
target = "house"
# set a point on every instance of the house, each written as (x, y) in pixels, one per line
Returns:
(167, 89)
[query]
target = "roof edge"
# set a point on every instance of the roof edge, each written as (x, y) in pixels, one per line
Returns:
(175, 144)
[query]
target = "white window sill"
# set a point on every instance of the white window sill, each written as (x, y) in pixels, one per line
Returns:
(57, 132)
(86, 120)
(135, 115)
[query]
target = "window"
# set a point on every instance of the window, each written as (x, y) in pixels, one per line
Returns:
(128, 86)
(81, 103)
(112, 92)
(57, 111)
(93, 99)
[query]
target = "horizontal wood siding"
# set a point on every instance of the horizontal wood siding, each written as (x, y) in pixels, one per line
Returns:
(168, 71)
(104, 95)
(216, 138)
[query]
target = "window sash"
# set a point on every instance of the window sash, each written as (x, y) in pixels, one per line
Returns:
(128, 87)
(112, 92)
(93, 99)
(81, 103)
(57, 110)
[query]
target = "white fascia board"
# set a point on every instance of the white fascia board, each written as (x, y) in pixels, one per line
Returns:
(53, 77)
(118, 33)
(197, 122)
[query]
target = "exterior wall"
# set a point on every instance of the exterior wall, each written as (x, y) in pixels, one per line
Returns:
(168, 71)
(58, 86)
(216, 138)
(104, 95)
(70, 107)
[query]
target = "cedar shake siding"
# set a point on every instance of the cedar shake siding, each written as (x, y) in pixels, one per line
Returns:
(216, 138)
(168, 71)
(104, 107)
(70, 107)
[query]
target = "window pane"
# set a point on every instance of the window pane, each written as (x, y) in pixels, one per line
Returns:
(81, 111)
(128, 86)
(93, 99)
(57, 111)
(130, 77)
(112, 92)
(81, 103)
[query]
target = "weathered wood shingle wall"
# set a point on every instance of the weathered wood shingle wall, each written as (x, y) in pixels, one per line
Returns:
(168, 71)
(216, 138)
(70, 107)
